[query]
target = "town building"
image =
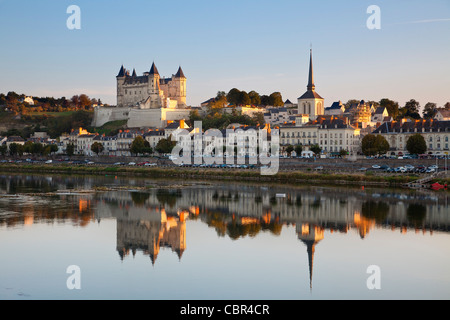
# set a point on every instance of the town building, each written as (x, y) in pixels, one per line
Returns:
(436, 134)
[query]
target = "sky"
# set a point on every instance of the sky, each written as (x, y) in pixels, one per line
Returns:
(260, 45)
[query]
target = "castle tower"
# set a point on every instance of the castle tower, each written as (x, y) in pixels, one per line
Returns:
(180, 83)
(154, 79)
(121, 76)
(311, 103)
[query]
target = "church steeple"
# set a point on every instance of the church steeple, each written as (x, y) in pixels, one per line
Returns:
(311, 86)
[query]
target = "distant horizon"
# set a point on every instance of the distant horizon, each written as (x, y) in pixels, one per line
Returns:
(237, 44)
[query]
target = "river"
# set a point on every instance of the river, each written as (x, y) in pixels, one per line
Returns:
(108, 237)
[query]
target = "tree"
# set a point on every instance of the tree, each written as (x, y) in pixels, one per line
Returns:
(316, 149)
(85, 102)
(138, 145)
(97, 147)
(70, 149)
(447, 106)
(289, 149)
(411, 109)
(258, 117)
(165, 145)
(3, 149)
(381, 144)
(374, 144)
(416, 144)
(244, 99)
(265, 100)
(16, 148)
(254, 98)
(276, 99)
(234, 96)
(391, 106)
(298, 149)
(430, 110)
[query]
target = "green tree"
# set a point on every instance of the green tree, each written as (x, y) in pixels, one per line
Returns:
(316, 149)
(298, 150)
(416, 144)
(16, 149)
(391, 106)
(53, 148)
(97, 147)
(381, 145)
(165, 145)
(276, 99)
(411, 109)
(138, 145)
(234, 96)
(3, 149)
(374, 144)
(254, 98)
(289, 149)
(244, 99)
(70, 149)
(430, 110)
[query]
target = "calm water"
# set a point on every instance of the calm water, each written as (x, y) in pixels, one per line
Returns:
(147, 239)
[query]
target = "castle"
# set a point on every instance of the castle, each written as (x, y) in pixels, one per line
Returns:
(147, 100)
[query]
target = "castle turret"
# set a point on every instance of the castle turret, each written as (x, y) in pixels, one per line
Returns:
(154, 79)
(121, 76)
(180, 83)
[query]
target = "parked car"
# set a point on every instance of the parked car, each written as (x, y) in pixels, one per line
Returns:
(375, 166)
(48, 161)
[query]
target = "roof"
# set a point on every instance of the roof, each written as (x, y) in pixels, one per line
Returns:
(336, 105)
(121, 72)
(154, 70)
(310, 95)
(288, 102)
(444, 112)
(15, 138)
(414, 126)
(380, 110)
(180, 73)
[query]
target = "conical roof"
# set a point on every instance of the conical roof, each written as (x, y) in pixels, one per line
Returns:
(180, 73)
(154, 70)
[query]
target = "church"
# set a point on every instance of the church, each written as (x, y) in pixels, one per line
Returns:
(146, 101)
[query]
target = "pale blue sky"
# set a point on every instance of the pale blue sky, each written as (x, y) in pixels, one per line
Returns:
(257, 45)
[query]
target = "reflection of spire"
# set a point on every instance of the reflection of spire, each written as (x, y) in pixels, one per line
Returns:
(310, 236)
(310, 245)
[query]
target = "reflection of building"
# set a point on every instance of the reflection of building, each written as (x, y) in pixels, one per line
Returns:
(310, 235)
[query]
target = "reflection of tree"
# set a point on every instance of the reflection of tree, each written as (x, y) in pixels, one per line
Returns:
(168, 197)
(139, 198)
(375, 210)
(416, 213)
(237, 230)
(316, 203)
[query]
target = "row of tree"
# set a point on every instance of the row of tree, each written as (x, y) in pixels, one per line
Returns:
(411, 109)
(15, 102)
(372, 145)
(28, 148)
(242, 98)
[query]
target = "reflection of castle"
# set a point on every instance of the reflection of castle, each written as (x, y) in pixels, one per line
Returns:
(150, 236)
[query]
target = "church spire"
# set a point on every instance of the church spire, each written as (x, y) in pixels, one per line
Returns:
(311, 86)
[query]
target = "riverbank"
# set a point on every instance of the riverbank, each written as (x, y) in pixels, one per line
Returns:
(290, 177)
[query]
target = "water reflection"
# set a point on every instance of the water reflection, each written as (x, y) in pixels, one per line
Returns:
(153, 215)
